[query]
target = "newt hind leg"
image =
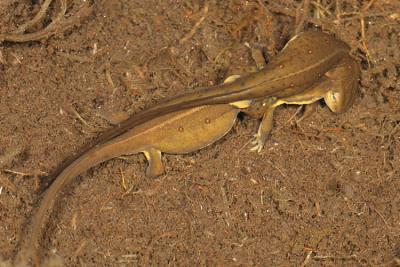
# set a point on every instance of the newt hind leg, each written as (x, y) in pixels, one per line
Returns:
(266, 124)
(268, 106)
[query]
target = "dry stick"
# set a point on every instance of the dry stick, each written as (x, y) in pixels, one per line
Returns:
(78, 58)
(301, 16)
(324, 257)
(63, 9)
(363, 43)
(9, 155)
(17, 172)
(9, 185)
(354, 15)
(59, 24)
(367, 6)
(266, 10)
(338, 11)
(362, 26)
(320, 7)
(318, 10)
(38, 17)
(324, 23)
(79, 117)
(307, 259)
(196, 26)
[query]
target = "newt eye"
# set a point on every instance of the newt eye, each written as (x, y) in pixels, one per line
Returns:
(332, 100)
(335, 96)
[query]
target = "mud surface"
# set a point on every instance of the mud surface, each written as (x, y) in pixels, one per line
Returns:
(324, 191)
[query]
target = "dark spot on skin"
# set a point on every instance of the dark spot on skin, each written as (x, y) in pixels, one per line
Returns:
(242, 84)
(207, 121)
(180, 129)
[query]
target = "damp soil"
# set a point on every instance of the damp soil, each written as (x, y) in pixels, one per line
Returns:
(323, 192)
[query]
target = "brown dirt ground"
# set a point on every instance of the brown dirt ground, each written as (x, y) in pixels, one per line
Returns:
(323, 192)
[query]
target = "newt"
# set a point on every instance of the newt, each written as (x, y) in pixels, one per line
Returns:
(305, 61)
(312, 66)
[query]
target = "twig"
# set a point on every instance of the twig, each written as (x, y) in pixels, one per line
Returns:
(324, 257)
(59, 24)
(18, 173)
(7, 184)
(338, 11)
(79, 117)
(363, 43)
(295, 114)
(277, 168)
(355, 15)
(362, 26)
(9, 155)
(123, 183)
(196, 26)
(2, 60)
(380, 215)
(307, 259)
(244, 145)
(319, 7)
(91, 128)
(72, 57)
(367, 6)
(301, 16)
(38, 17)
(324, 23)
(109, 79)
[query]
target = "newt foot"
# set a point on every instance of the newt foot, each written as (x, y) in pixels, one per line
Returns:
(258, 143)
